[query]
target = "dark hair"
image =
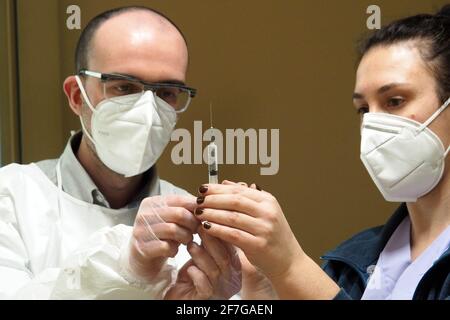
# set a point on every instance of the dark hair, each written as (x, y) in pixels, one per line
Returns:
(84, 42)
(433, 34)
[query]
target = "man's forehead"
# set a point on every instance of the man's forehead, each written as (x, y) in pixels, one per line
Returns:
(134, 23)
(138, 37)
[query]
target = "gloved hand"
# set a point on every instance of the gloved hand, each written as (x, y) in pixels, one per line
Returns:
(214, 272)
(161, 225)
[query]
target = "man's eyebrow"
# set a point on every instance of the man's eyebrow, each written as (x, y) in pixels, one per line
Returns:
(381, 90)
(171, 81)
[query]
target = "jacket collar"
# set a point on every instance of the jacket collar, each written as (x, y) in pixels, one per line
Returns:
(363, 249)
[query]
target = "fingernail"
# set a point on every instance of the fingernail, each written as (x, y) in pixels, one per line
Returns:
(203, 189)
(200, 199)
(198, 211)
(207, 225)
(258, 187)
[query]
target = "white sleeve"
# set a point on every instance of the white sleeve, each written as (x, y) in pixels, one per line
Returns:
(94, 271)
(16, 279)
(14, 271)
(98, 270)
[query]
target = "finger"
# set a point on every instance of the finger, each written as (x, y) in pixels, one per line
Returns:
(236, 237)
(247, 267)
(155, 249)
(231, 250)
(185, 201)
(163, 231)
(228, 182)
(204, 262)
(229, 218)
(231, 202)
(177, 215)
(243, 190)
(217, 250)
(201, 283)
(255, 186)
(171, 231)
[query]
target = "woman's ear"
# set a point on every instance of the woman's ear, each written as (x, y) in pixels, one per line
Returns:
(73, 94)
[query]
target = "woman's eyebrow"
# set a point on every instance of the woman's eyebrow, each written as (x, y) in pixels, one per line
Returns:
(390, 86)
(357, 96)
(381, 90)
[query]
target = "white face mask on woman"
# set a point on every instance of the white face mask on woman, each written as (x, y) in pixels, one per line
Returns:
(404, 157)
(129, 138)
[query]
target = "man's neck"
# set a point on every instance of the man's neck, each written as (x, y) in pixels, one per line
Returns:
(117, 189)
(430, 216)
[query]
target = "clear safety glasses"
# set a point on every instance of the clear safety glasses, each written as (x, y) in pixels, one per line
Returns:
(116, 85)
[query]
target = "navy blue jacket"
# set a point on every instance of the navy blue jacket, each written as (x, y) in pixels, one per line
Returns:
(350, 263)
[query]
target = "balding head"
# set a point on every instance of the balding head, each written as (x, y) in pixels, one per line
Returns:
(133, 40)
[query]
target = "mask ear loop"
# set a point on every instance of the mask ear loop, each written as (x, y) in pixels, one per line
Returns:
(84, 94)
(432, 118)
(88, 102)
(435, 115)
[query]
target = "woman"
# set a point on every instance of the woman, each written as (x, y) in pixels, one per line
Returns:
(402, 91)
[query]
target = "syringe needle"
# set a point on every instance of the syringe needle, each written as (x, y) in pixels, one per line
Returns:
(210, 114)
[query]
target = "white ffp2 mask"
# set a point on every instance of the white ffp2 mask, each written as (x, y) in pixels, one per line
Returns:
(129, 138)
(404, 157)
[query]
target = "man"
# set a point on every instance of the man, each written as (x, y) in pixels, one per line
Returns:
(98, 222)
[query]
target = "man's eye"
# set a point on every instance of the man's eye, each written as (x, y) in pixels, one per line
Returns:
(129, 88)
(395, 102)
(168, 93)
(124, 89)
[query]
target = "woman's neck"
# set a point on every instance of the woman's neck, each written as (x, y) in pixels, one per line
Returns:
(430, 216)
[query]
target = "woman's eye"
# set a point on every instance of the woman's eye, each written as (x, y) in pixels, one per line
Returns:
(395, 102)
(363, 109)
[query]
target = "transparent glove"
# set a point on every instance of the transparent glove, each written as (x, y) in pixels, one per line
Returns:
(161, 225)
(214, 272)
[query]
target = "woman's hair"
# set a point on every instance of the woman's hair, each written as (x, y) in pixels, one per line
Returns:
(432, 33)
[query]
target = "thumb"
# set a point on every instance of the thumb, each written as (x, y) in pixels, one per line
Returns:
(246, 266)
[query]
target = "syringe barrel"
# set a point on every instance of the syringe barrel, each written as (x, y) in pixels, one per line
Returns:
(213, 171)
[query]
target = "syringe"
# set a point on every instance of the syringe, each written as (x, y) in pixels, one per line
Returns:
(213, 171)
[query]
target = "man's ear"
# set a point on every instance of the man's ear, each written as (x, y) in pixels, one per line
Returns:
(73, 94)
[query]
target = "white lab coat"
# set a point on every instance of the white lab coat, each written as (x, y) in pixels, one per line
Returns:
(54, 246)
